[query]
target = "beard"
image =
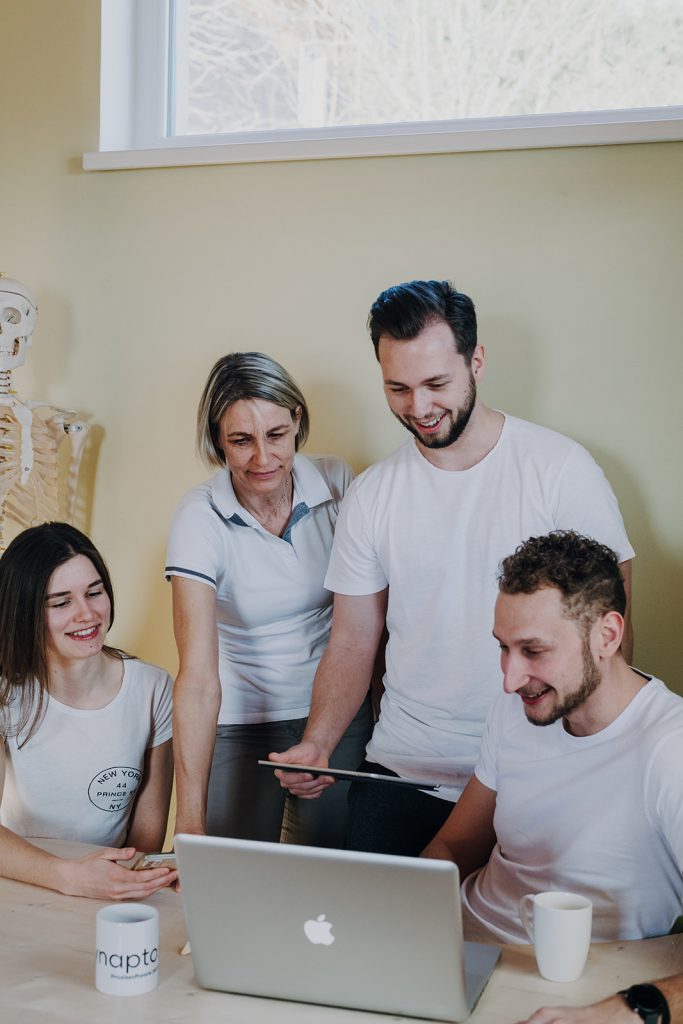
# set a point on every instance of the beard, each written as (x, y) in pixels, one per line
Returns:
(457, 423)
(571, 701)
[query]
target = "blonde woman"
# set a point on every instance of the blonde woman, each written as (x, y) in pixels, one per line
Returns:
(247, 556)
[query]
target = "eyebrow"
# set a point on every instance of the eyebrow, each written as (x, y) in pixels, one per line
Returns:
(523, 640)
(430, 380)
(246, 433)
(65, 593)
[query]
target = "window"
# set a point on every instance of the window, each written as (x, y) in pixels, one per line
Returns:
(258, 79)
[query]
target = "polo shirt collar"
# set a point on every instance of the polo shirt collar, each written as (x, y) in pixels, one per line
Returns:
(309, 484)
(309, 488)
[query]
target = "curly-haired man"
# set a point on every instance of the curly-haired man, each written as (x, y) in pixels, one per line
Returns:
(593, 801)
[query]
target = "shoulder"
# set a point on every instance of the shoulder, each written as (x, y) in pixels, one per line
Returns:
(150, 690)
(387, 470)
(336, 473)
(656, 723)
(195, 506)
(9, 710)
(18, 706)
(659, 737)
(197, 518)
(538, 449)
(145, 677)
(662, 708)
(538, 438)
(197, 498)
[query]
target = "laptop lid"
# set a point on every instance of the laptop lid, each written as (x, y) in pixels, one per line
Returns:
(333, 927)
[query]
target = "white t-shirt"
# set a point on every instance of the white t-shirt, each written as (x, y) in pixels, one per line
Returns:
(600, 815)
(273, 611)
(436, 538)
(77, 777)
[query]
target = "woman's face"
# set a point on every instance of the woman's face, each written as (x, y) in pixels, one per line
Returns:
(258, 441)
(77, 611)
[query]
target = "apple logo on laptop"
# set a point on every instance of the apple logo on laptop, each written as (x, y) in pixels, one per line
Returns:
(318, 931)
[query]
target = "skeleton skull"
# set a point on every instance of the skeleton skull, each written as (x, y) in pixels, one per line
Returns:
(18, 314)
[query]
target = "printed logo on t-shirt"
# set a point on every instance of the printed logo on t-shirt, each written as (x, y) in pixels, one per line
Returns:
(114, 788)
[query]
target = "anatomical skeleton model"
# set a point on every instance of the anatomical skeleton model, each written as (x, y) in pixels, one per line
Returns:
(31, 433)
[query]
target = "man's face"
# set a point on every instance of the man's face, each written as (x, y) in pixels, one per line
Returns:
(546, 657)
(429, 386)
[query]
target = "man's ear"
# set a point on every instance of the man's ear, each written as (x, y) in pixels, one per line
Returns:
(478, 362)
(610, 631)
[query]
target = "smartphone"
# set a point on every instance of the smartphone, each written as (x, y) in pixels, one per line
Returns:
(145, 861)
(344, 773)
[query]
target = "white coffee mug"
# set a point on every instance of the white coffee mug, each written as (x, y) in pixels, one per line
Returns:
(127, 949)
(559, 925)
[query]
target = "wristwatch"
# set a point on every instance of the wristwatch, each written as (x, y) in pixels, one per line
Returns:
(648, 1002)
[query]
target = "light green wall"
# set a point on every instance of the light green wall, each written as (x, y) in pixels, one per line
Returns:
(573, 257)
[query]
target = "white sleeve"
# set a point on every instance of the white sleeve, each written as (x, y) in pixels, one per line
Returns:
(354, 568)
(585, 502)
(162, 711)
(664, 791)
(486, 768)
(195, 544)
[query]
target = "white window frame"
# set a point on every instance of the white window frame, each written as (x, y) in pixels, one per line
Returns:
(133, 119)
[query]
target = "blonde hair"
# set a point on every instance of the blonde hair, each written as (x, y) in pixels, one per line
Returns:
(244, 375)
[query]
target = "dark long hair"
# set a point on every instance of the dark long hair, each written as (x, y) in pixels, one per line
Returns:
(26, 568)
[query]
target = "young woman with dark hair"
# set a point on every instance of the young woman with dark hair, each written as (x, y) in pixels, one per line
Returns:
(85, 729)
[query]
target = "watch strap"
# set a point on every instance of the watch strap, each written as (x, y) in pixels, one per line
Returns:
(648, 1002)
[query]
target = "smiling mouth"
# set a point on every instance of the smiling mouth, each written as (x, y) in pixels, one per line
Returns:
(535, 696)
(428, 426)
(84, 634)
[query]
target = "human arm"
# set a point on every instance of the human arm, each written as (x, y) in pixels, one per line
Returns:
(149, 820)
(468, 836)
(613, 1010)
(339, 688)
(196, 699)
(627, 639)
(95, 874)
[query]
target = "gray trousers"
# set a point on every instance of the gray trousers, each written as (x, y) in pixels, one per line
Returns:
(246, 801)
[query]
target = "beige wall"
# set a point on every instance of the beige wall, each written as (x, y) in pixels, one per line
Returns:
(144, 277)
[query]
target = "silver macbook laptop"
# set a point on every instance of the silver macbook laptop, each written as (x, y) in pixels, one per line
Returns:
(358, 930)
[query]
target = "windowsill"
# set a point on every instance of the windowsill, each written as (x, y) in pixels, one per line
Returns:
(594, 128)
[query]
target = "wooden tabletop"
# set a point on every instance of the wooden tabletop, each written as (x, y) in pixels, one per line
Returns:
(47, 972)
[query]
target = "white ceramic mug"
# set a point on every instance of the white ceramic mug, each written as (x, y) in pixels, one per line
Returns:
(127, 949)
(559, 925)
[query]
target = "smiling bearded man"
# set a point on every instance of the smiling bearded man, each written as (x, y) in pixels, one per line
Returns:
(417, 545)
(593, 802)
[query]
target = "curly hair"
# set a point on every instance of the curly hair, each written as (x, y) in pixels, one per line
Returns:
(586, 573)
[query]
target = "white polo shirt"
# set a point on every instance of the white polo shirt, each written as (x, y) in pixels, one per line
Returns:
(272, 610)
